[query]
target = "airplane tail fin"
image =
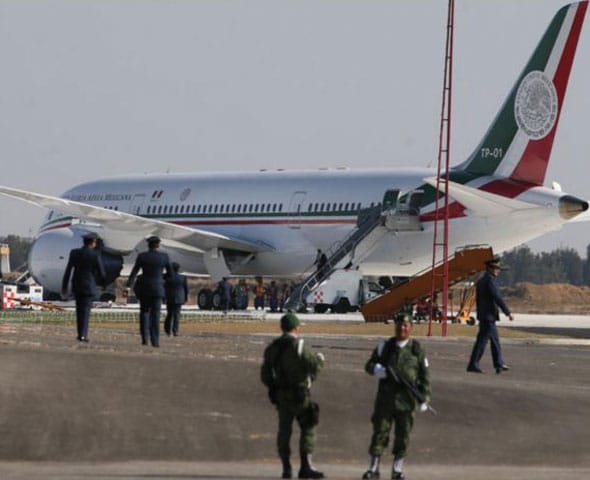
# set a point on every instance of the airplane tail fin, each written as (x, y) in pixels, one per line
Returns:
(518, 143)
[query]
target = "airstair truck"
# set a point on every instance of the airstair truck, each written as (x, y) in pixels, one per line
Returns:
(343, 291)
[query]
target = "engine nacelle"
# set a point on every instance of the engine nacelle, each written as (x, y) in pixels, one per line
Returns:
(49, 255)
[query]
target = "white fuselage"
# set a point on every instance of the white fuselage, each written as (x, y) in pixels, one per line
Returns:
(291, 213)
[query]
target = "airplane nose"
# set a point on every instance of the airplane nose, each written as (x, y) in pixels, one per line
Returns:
(570, 207)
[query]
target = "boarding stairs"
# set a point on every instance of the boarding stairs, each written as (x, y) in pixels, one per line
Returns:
(372, 224)
(464, 263)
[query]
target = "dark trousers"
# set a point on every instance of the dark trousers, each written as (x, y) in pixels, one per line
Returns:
(83, 306)
(172, 318)
(149, 319)
(487, 331)
(258, 303)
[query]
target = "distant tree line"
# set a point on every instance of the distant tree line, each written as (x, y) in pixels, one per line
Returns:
(563, 265)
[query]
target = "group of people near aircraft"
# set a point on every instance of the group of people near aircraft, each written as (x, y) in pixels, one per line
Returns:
(289, 366)
(160, 279)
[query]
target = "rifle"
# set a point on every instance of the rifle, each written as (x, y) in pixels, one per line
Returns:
(412, 388)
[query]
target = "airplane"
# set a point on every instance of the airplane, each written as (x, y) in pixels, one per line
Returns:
(271, 223)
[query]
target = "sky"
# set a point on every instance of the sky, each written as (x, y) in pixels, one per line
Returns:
(92, 89)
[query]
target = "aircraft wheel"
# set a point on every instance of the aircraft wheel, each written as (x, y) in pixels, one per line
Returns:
(471, 321)
(204, 300)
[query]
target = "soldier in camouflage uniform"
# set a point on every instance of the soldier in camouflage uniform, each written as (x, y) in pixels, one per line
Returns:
(288, 369)
(395, 404)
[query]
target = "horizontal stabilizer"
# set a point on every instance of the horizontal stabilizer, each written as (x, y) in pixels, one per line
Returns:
(122, 222)
(480, 203)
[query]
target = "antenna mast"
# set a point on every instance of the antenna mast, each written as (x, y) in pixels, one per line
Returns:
(440, 246)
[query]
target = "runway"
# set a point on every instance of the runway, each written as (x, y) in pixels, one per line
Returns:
(195, 408)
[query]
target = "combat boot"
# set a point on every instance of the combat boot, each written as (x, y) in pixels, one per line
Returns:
(373, 471)
(287, 470)
(307, 470)
(396, 470)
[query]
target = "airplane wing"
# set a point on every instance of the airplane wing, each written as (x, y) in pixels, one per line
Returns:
(125, 224)
(480, 203)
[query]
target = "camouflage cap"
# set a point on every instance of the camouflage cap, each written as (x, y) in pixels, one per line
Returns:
(289, 321)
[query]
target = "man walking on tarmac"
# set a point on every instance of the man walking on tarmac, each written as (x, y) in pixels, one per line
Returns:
(488, 299)
(287, 370)
(401, 366)
(88, 271)
(152, 264)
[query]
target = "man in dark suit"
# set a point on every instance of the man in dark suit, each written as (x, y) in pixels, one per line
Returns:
(152, 264)
(488, 300)
(88, 271)
(176, 295)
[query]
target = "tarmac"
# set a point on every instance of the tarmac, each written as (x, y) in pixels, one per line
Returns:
(195, 408)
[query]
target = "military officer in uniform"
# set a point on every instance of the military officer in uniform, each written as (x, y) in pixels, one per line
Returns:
(176, 295)
(288, 369)
(488, 299)
(399, 356)
(152, 264)
(88, 271)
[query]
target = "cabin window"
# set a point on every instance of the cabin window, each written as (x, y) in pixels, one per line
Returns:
(209, 208)
(215, 208)
(239, 208)
(310, 207)
(274, 207)
(233, 208)
(176, 208)
(250, 208)
(221, 208)
(256, 208)
(182, 209)
(346, 206)
(280, 207)
(322, 206)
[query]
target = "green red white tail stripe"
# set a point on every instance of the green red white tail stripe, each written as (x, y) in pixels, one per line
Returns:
(518, 143)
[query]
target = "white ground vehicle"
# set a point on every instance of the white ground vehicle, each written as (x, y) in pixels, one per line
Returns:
(343, 292)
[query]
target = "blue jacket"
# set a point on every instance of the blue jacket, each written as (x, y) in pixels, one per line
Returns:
(488, 299)
(88, 270)
(176, 288)
(152, 264)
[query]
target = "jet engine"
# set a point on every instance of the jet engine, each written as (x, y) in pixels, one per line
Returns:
(49, 255)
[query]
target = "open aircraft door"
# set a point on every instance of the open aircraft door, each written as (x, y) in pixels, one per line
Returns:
(136, 203)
